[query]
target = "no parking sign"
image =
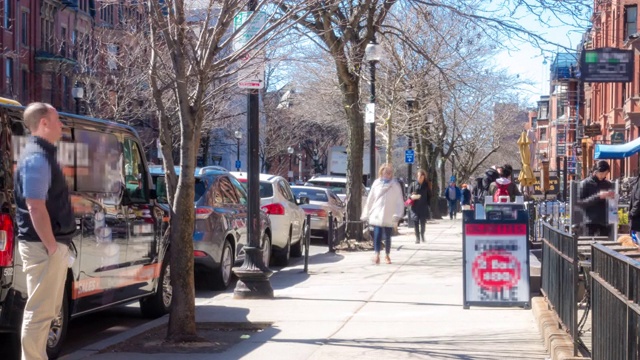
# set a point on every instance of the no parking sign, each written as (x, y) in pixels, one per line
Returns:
(496, 262)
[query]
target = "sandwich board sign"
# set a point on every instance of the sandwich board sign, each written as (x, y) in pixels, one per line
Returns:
(496, 261)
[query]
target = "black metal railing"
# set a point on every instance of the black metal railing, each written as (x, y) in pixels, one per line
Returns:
(560, 277)
(615, 298)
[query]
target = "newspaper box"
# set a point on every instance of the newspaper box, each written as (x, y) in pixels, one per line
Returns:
(496, 257)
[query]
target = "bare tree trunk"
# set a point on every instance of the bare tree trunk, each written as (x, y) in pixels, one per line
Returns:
(182, 324)
(355, 152)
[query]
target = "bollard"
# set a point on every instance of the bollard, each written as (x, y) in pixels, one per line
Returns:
(307, 243)
(330, 232)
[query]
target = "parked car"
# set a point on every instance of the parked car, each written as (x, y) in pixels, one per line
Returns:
(121, 255)
(337, 184)
(288, 220)
(321, 202)
(220, 232)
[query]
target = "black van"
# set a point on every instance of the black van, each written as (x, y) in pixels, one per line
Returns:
(119, 248)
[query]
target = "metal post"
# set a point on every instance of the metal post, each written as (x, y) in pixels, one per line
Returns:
(409, 165)
(330, 232)
(289, 169)
(300, 167)
(372, 127)
(307, 243)
(253, 275)
(564, 179)
(78, 106)
(238, 155)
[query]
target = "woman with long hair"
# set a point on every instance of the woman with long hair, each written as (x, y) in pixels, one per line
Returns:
(420, 193)
(383, 209)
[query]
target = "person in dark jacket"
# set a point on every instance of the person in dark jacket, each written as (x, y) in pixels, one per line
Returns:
(453, 195)
(634, 210)
(420, 193)
(593, 193)
(505, 179)
(466, 197)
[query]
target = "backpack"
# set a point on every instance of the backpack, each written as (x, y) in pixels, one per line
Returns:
(502, 192)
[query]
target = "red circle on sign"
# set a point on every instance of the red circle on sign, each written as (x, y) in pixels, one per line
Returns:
(496, 269)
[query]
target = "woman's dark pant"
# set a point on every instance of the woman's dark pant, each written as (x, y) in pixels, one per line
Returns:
(419, 226)
(382, 233)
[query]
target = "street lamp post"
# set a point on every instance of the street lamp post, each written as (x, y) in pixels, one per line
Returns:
(299, 167)
(372, 54)
(290, 174)
(411, 98)
(78, 93)
(238, 136)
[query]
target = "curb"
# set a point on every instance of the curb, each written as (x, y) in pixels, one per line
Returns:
(557, 341)
(94, 348)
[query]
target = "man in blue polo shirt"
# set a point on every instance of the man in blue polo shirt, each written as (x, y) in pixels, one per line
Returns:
(45, 227)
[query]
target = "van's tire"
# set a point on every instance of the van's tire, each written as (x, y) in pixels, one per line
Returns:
(159, 303)
(266, 249)
(58, 329)
(223, 274)
(281, 256)
(296, 249)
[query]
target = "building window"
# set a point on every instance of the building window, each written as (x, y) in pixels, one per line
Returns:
(8, 14)
(24, 35)
(8, 74)
(65, 92)
(25, 86)
(543, 134)
(630, 20)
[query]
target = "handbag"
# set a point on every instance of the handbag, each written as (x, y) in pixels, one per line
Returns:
(408, 202)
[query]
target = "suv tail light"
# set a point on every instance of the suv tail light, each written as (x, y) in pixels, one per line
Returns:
(6, 240)
(273, 209)
(203, 213)
(316, 212)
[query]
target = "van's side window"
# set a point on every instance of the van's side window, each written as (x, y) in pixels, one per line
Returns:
(98, 160)
(135, 177)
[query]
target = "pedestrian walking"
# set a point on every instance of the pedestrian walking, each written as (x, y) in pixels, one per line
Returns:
(453, 196)
(593, 194)
(634, 210)
(46, 225)
(420, 194)
(466, 197)
(384, 207)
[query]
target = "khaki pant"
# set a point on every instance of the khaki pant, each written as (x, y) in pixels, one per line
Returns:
(46, 276)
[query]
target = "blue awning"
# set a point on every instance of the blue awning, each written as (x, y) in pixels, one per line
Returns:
(620, 151)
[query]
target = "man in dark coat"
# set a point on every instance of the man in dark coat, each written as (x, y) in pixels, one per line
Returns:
(593, 194)
(421, 195)
(634, 210)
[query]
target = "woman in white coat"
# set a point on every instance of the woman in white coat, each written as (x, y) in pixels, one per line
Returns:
(384, 208)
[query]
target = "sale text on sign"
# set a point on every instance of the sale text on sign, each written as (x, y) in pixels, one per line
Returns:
(496, 264)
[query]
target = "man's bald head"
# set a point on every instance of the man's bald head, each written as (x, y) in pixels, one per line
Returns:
(34, 113)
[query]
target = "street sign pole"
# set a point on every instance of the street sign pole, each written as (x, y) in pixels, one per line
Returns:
(253, 275)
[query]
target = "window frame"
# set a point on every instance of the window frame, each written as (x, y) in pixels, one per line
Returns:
(129, 145)
(24, 31)
(627, 23)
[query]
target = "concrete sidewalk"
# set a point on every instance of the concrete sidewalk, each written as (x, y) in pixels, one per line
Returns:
(348, 308)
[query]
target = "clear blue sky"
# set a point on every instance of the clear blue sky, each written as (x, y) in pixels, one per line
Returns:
(527, 60)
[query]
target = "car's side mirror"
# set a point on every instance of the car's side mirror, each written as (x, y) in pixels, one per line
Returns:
(303, 200)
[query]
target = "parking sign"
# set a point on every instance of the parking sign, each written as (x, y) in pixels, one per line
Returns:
(409, 156)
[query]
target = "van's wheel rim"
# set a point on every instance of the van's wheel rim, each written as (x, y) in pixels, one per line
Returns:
(226, 264)
(55, 331)
(167, 289)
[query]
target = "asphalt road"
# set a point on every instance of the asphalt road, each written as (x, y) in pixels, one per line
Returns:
(102, 325)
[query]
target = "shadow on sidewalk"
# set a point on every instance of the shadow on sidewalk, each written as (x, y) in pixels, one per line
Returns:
(370, 301)
(479, 346)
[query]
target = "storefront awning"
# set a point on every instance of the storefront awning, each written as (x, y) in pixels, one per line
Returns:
(619, 151)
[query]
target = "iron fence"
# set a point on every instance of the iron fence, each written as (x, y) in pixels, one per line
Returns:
(560, 277)
(615, 298)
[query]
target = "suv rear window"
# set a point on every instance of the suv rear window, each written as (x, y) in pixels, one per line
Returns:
(161, 189)
(266, 189)
(313, 195)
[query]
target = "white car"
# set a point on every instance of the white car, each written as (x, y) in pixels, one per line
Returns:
(288, 220)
